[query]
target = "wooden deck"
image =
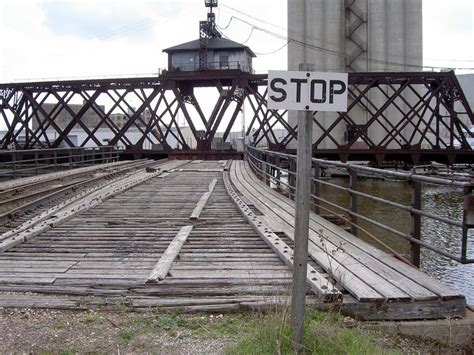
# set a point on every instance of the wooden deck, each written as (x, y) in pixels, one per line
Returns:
(222, 248)
(366, 274)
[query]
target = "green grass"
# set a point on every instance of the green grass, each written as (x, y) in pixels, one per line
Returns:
(323, 334)
(91, 318)
(126, 335)
(67, 351)
(170, 322)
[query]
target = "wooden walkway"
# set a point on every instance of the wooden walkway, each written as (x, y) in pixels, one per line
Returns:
(221, 241)
(370, 278)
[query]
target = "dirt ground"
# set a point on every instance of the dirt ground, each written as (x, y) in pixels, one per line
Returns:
(68, 332)
(125, 332)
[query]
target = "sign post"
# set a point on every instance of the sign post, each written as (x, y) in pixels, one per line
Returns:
(305, 92)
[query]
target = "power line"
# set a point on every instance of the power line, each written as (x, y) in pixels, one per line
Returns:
(275, 51)
(337, 53)
(135, 27)
(249, 36)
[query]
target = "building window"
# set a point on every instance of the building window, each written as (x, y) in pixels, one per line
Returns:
(224, 61)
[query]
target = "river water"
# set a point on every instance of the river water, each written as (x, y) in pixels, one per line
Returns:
(444, 201)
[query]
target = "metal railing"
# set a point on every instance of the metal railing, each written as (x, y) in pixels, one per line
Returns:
(19, 163)
(270, 166)
(212, 66)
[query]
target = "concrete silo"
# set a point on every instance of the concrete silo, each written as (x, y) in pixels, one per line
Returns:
(355, 35)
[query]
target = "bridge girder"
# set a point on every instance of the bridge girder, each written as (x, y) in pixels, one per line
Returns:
(392, 103)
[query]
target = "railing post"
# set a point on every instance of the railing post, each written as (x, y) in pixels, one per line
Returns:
(292, 178)
(70, 159)
(36, 162)
(415, 223)
(278, 173)
(353, 199)
(467, 219)
(55, 160)
(267, 170)
(14, 164)
(82, 156)
(317, 187)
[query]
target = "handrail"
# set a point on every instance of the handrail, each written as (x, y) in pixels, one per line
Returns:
(21, 161)
(42, 150)
(267, 165)
(382, 172)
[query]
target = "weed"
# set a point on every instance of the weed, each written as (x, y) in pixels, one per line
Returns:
(226, 326)
(273, 335)
(123, 305)
(170, 322)
(67, 351)
(126, 335)
(91, 318)
(158, 308)
(62, 324)
(142, 324)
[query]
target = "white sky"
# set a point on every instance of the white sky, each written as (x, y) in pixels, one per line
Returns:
(47, 40)
(85, 38)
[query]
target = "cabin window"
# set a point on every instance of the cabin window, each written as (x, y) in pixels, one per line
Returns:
(224, 61)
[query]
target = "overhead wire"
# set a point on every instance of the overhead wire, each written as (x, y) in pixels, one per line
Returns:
(327, 50)
(275, 51)
(249, 36)
(135, 27)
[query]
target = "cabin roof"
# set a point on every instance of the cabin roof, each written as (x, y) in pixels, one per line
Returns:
(212, 43)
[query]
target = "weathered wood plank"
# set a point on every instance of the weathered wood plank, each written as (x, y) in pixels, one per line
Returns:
(163, 266)
(203, 200)
(322, 287)
(416, 283)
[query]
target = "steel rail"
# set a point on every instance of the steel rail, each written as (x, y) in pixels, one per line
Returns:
(6, 216)
(379, 199)
(381, 172)
(255, 161)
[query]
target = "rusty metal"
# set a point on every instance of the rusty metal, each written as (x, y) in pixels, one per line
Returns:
(39, 161)
(416, 191)
(258, 157)
(408, 101)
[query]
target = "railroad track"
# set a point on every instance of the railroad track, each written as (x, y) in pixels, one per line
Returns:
(32, 197)
(201, 236)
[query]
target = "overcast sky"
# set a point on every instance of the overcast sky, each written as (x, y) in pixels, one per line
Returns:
(67, 39)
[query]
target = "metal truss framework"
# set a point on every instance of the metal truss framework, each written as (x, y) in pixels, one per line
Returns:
(426, 105)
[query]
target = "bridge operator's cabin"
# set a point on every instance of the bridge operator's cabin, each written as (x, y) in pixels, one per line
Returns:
(221, 54)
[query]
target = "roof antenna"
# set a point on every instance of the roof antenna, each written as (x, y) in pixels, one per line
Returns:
(207, 30)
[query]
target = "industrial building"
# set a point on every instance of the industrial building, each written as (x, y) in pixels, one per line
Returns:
(355, 36)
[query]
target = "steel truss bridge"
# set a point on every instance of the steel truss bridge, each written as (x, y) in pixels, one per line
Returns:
(430, 106)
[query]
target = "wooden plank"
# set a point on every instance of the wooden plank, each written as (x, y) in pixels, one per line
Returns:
(31, 230)
(201, 170)
(322, 287)
(227, 165)
(203, 200)
(331, 263)
(163, 265)
(114, 246)
(419, 285)
(376, 275)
